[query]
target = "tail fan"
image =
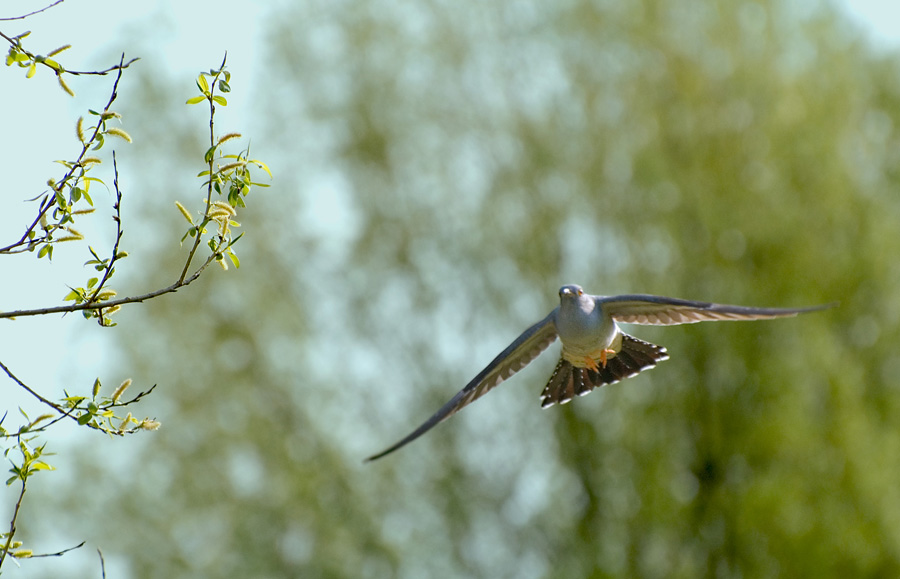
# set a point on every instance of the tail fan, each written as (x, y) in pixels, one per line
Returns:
(568, 381)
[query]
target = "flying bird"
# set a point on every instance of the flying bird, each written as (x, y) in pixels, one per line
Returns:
(595, 351)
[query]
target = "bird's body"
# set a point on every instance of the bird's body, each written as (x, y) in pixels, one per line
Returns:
(580, 319)
(595, 351)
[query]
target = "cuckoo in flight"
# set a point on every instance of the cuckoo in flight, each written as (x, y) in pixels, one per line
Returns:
(594, 350)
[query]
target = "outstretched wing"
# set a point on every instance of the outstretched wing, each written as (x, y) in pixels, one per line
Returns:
(663, 311)
(516, 356)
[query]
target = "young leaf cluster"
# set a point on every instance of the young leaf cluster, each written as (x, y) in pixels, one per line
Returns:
(228, 182)
(30, 462)
(228, 175)
(69, 195)
(98, 412)
(28, 60)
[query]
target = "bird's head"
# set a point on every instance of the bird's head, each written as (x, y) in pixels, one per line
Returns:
(570, 292)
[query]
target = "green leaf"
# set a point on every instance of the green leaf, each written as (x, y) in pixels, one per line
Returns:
(224, 86)
(43, 251)
(195, 100)
(221, 100)
(234, 259)
(209, 156)
(261, 165)
(202, 84)
(84, 419)
(31, 70)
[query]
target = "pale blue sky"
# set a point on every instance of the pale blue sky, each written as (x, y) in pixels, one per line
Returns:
(880, 17)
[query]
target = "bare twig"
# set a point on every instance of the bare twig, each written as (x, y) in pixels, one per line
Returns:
(12, 525)
(133, 400)
(60, 553)
(108, 270)
(28, 389)
(24, 16)
(119, 67)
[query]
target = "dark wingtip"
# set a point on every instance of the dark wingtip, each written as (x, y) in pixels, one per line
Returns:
(379, 455)
(390, 449)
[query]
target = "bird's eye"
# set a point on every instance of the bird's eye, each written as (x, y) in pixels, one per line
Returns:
(580, 292)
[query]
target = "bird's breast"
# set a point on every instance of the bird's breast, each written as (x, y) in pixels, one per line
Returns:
(583, 333)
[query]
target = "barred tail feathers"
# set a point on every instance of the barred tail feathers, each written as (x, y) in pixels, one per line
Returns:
(568, 380)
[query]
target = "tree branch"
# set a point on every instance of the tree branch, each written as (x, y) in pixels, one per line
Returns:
(24, 16)
(122, 301)
(26, 243)
(12, 525)
(59, 553)
(67, 412)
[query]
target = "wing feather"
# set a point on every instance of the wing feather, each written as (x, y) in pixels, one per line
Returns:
(516, 356)
(663, 311)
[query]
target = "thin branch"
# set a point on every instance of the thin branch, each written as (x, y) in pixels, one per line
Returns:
(19, 246)
(183, 280)
(28, 389)
(12, 525)
(102, 564)
(24, 243)
(59, 418)
(119, 67)
(133, 400)
(15, 41)
(59, 553)
(209, 189)
(68, 412)
(107, 272)
(129, 300)
(24, 16)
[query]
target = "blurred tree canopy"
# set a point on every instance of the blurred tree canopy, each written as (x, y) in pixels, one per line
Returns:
(443, 169)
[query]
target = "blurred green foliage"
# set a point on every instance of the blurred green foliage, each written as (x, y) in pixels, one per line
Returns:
(443, 169)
